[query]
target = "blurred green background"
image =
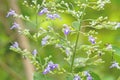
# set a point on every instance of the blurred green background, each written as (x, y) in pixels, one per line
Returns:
(11, 64)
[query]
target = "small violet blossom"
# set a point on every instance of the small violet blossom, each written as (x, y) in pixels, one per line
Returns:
(15, 25)
(45, 40)
(34, 52)
(53, 16)
(115, 65)
(66, 29)
(11, 13)
(76, 77)
(43, 11)
(15, 45)
(92, 39)
(89, 78)
(50, 66)
(87, 74)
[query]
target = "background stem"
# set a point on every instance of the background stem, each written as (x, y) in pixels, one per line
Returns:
(77, 39)
(24, 42)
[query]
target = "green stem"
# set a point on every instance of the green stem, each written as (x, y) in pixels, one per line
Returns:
(36, 12)
(76, 42)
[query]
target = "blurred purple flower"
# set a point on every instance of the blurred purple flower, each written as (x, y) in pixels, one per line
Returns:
(66, 29)
(15, 45)
(47, 70)
(44, 40)
(115, 65)
(76, 77)
(89, 78)
(43, 11)
(50, 16)
(34, 52)
(50, 66)
(15, 25)
(11, 13)
(88, 75)
(56, 15)
(53, 16)
(92, 39)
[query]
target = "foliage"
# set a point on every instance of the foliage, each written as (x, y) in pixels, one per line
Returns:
(80, 58)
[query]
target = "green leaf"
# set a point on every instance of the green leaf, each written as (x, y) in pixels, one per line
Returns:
(76, 25)
(117, 50)
(95, 76)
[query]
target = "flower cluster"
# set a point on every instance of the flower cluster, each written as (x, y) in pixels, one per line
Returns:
(43, 11)
(92, 39)
(72, 48)
(49, 15)
(66, 29)
(51, 66)
(34, 52)
(53, 16)
(11, 13)
(76, 77)
(87, 74)
(115, 65)
(45, 40)
(15, 45)
(15, 25)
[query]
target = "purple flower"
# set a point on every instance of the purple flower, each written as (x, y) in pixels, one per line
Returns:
(87, 74)
(47, 70)
(115, 65)
(50, 66)
(15, 45)
(89, 78)
(45, 40)
(76, 77)
(50, 16)
(53, 16)
(43, 11)
(11, 13)
(34, 52)
(92, 39)
(15, 25)
(66, 29)
(56, 15)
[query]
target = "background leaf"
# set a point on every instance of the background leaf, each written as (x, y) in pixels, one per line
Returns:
(75, 25)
